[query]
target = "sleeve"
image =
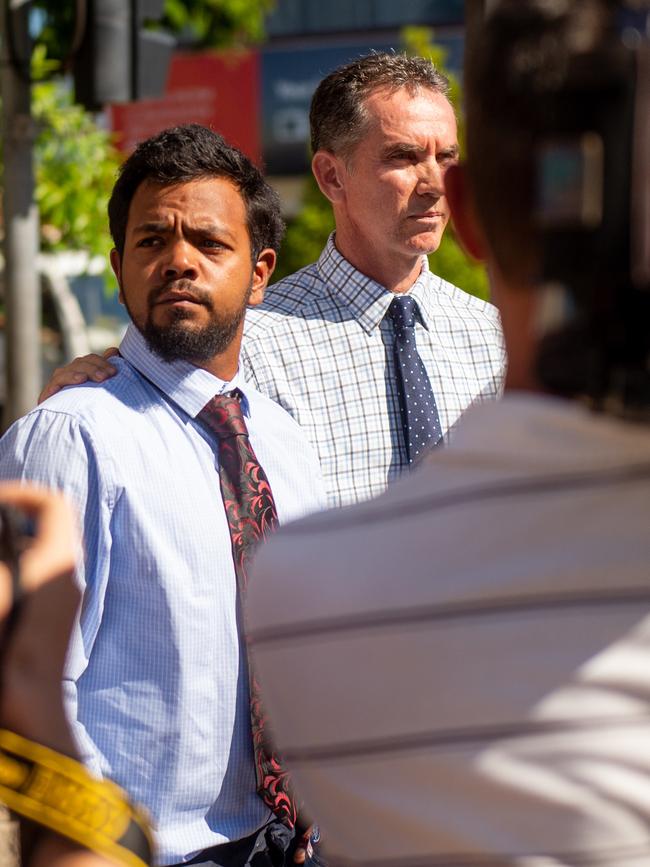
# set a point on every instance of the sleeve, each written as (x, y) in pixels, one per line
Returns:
(54, 449)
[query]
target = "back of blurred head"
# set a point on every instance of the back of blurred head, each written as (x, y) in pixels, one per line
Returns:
(556, 194)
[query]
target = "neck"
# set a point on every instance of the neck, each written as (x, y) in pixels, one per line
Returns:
(395, 273)
(518, 308)
(224, 365)
(220, 366)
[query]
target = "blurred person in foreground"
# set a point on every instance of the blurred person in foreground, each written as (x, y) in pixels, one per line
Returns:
(178, 468)
(327, 343)
(63, 812)
(474, 645)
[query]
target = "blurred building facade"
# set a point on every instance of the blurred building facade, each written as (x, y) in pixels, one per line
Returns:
(260, 99)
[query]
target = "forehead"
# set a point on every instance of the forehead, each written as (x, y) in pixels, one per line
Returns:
(400, 115)
(213, 200)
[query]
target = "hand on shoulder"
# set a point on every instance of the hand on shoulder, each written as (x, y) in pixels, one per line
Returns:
(93, 367)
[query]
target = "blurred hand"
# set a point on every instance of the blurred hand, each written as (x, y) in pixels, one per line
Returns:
(306, 848)
(31, 701)
(303, 848)
(89, 367)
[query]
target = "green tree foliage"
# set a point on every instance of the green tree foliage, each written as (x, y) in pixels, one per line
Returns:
(54, 26)
(197, 24)
(75, 164)
(451, 263)
(308, 231)
(217, 23)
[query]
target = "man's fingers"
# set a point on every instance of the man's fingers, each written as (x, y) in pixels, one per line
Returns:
(53, 550)
(30, 701)
(304, 848)
(92, 367)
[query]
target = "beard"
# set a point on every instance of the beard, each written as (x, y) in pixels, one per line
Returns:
(180, 339)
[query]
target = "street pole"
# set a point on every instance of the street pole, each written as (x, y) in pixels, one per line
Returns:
(21, 285)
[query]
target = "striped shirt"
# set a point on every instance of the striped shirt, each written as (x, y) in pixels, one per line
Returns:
(321, 347)
(473, 649)
(157, 679)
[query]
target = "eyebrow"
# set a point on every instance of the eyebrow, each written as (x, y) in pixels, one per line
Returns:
(452, 150)
(161, 227)
(403, 146)
(152, 227)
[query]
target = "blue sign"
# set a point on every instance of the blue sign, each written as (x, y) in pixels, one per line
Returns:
(289, 79)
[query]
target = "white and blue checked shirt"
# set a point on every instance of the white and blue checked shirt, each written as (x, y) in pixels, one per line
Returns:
(156, 679)
(321, 347)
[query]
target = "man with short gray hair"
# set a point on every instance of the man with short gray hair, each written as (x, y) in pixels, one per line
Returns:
(328, 342)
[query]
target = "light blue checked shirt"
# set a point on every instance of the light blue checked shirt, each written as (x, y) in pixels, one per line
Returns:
(156, 679)
(321, 345)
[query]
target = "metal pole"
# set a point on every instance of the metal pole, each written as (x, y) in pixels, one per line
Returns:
(22, 290)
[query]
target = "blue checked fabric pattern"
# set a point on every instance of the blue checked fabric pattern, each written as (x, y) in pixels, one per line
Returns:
(420, 419)
(156, 677)
(322, 347)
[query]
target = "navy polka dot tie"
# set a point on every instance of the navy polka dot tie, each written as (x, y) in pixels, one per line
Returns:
(418, 408)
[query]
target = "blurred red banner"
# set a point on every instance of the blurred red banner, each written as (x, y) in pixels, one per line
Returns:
(221, 91)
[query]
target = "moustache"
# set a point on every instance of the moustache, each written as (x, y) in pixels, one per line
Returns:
(180, 286)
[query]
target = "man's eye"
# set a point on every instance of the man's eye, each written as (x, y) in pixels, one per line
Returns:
(149, 242)
(211, 244)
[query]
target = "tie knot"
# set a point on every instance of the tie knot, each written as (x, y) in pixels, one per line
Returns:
(402, 311)
(222, 413)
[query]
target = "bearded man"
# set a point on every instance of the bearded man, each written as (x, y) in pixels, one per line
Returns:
(157, 682)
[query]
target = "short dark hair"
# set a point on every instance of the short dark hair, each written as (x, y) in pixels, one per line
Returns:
(191, 152)
(338, 118)
(515, 61)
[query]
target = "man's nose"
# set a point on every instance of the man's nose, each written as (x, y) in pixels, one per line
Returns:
(180, 260)
(430, 178)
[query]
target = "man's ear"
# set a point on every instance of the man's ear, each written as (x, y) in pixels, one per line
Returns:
(463, 213)
(329, 171)
(116, 265)
(262, 271)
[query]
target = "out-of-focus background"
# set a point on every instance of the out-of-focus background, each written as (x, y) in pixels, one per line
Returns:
(246, 68)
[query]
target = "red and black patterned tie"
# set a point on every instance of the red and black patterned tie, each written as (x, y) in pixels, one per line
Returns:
(251, 514)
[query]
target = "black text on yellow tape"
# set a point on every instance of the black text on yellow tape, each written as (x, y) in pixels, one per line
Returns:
(58, 793)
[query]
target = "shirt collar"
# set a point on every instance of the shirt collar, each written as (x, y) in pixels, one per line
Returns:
(423, 292)
(188, 386)
(367, 300)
